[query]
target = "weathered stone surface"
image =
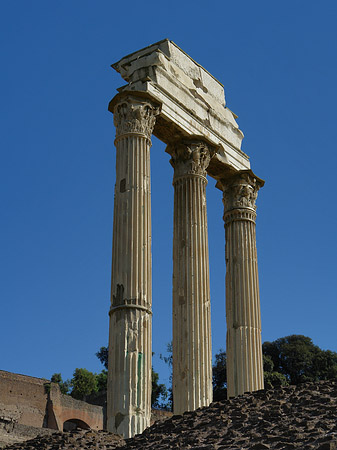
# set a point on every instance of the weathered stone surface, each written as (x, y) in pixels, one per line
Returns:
(170, 95)
(192, 354)
(62, 408)
(244, 346)
(12, 432)
(23, 399)
(130, 335)
(193, 101)
(80, 440)
(31, 406)
(302, 417)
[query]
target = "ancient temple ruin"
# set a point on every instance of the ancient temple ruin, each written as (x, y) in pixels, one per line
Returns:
(171, 96)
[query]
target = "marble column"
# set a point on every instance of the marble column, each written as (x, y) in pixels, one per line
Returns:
(130, 346)
(244, 348)
(192, 355)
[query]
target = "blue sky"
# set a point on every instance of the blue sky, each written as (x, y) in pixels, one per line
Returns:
(278, 64)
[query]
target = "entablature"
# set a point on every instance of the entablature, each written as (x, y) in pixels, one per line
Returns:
(192, 101)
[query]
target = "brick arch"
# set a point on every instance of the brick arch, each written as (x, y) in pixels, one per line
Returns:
(75, 423)
(62, 408)
(80, 415)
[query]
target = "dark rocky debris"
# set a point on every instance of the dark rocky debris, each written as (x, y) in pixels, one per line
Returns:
(79, 440)
(296, 417)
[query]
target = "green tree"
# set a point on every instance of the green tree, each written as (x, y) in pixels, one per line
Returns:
(103, 356)
(159, 392)
(289, 360)
(325, 365)
(299, 360)
(83, 383)
(168, 359)
(272, 379)
(219, 376)
(64, 385)
(102, 380)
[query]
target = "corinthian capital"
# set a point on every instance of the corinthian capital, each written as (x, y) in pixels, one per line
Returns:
(134, 115)
(190, 157)
(240, 191)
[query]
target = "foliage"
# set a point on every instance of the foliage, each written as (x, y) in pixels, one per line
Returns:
(169, 358)
(64, 385)
(289, 360)
(272, 379)
(299, 360)
(268, 365)
(169, 361)
(325, 365)
(102, 380)
(219, 377)
(159, 392)
(103, 356)
(83, 383)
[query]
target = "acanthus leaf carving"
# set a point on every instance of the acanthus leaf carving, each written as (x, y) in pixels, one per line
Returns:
(240, 191)
(190, 158)
(135, 116)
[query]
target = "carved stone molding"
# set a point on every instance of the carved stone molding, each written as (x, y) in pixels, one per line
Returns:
(240, 192)
(239, 215)
(134, 115)
(190, 158)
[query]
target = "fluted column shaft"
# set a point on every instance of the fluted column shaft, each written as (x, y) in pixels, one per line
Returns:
(130, 346)
(244, 348)
(192, 356)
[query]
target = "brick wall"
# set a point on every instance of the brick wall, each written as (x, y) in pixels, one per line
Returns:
(23, 399)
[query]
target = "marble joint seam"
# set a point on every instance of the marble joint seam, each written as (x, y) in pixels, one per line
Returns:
(132, 135)
(235, 215)
(119, 307)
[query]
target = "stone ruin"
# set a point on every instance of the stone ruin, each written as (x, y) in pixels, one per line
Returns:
(171, 96)
(299, 417)
(31, 406)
